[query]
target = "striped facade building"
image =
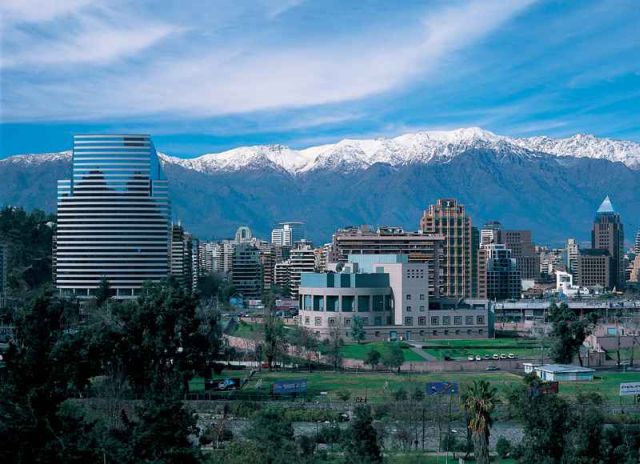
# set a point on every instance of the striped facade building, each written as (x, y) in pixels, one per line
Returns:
(113, 217)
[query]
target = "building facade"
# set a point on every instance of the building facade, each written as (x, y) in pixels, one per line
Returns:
(113, 217)
(449, 219)
(594, 269)
(390, 295)
(608, 234)
(503, 276)
(573, 250)
(302, 259)
(287, 233)
(246, 273)
(417, 246)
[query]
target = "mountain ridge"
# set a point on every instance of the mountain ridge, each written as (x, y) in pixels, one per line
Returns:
(381, 182)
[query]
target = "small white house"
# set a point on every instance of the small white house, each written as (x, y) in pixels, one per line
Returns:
(562, 372)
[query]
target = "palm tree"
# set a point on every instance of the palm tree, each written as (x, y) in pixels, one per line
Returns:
(479, 401)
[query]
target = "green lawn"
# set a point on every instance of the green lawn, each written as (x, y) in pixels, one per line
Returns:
(377, 385)
(605, 383)
(461, 349)
(355, 351)
(247, 330)
(371, 384)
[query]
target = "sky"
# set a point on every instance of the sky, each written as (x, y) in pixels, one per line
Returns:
(205, 76)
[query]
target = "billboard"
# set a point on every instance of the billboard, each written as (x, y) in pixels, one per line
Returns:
(223, 385)
(289, 387)
(442, 388)
(631, 388)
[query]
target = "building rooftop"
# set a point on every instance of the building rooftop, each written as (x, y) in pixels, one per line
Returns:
(564, 368)
(606, 206)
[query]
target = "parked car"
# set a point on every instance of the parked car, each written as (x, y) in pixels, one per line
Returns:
(486, 356)
(478, 358)
(495, 356)
(470, 358)
(492, 368)
(503, 356)
(511, 356)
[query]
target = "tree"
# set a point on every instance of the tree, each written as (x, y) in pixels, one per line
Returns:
(275, 340)
(43, 369)
(373, 358)
(393, 357)
(568, 332)
(306, 344)
(333, 346)
(362, 440)
(479, 402)
(272, 433)
(103, 293)
(357, 329)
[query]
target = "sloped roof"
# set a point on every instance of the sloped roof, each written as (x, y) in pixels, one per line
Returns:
(606, 206)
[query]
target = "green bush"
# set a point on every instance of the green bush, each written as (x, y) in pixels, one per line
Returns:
(503, 447)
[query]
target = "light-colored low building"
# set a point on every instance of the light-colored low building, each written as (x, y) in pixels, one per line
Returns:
(391, 297)
(560, 372)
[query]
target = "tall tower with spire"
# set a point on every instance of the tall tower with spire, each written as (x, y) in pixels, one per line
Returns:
(608, 234)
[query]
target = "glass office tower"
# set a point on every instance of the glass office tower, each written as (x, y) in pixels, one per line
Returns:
(113, 217)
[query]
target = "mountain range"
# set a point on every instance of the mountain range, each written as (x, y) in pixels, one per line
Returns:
(552, 186)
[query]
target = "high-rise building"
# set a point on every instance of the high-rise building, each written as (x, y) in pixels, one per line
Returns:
(503, 275)
(303, 259)
(418, 246)
(287, 233)
(491, 232)
(594, 269)
(182, 247)
(523, 251)
(636, 244)
(4, 258)
(246, 271)
(608, 234)
(113, 217)
(448, 218)
(268, 262)
(573, 251)
(282, 275)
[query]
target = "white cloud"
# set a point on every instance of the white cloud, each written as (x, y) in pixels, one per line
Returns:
(27, 11)
(234, 79)
(96, 42)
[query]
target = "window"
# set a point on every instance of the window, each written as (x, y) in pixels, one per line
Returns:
(318, 321)
(408, 321)
(307, 320)
(422, 320)
(446, 320)
(332, 321)
(378, 320)
(457, 320)
(408, 297)
(435, 332)
(347, 322)
(422, 308)
(435, 320)
(468, 320)
(480, 320)
(365, 321)
(422, 296)
(408, 309)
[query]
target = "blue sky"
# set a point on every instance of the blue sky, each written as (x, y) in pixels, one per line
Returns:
(203, 76)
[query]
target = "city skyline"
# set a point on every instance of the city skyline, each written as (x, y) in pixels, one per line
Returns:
(278, 72)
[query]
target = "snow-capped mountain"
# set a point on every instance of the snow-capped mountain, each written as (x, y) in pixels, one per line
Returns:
(419, 147)
(552, 186)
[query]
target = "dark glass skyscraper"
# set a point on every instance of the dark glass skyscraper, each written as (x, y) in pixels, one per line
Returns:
(608, 234)
(113, 216)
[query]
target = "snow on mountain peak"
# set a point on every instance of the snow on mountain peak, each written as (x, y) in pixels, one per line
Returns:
(421, 147)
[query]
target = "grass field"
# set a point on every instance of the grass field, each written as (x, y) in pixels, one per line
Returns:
(377, 386)
(355, 351)
(460, 349)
